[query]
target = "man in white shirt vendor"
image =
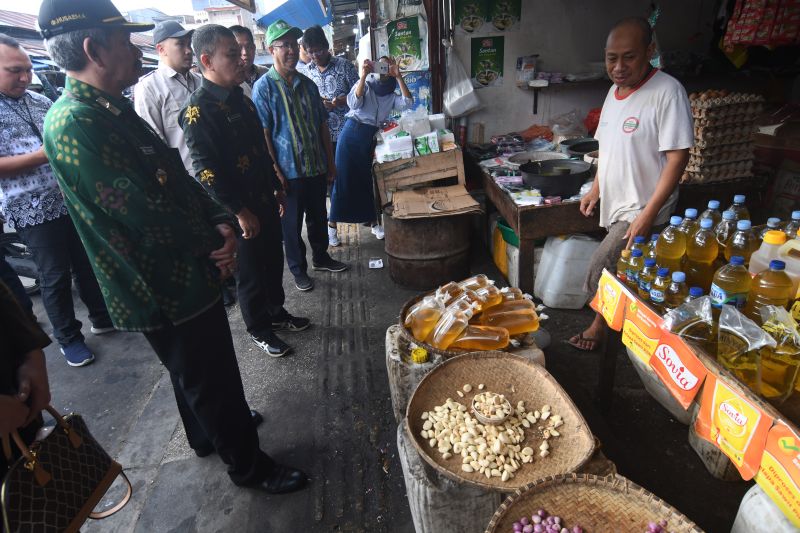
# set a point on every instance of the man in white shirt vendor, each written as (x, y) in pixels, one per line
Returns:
(160, 95)
(645, 133)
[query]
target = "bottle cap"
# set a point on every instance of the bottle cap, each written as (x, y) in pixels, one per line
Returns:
(678, 277)
(774, 237)
(728, 215)
(739, 199)
(636, 253)
(639, 239)
(713, 204)
(744, 225)
(626, 253)
(663, 272)
(737, 260)
(696, 292)
(690, 213)
(706, 223)
(675, 220)
(649, 262)
(654, 236)
(777, 264)
(419, 355)
(795, 215)
(773, 222)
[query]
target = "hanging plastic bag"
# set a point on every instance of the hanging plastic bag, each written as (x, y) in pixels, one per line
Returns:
(567, 126)
(460, 97)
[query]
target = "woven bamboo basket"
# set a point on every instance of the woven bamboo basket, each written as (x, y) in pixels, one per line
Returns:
(499, 372)
(597, 504)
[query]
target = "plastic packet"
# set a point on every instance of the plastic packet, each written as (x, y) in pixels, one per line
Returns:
(780, 325)
(567, 126)
(779, 365)
(739, 343)
(459, 97)
(694, 322)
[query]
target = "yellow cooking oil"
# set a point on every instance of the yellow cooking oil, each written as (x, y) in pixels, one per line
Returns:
(622, 264)
(635, 264)
(701, 251)
(658, 289)
(734, 354)
(451, 291)
(511, 294)
(453, 322)
(489, 296)
(516, 321)
(724, 230)
(671, 245)
(779, 370)
(474, 282)
(770, 287)
(423, 316)
(481, 338)
(731, 285)
(743, 242)
(646, 277)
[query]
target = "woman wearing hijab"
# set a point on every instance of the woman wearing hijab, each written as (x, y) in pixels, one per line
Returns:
(370, 101)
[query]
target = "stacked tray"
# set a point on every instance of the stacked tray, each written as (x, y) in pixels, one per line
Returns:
(723, 130)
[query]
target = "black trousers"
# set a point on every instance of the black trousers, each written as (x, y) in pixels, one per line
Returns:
(201, 361)
(59, 255)
(305, 198)
(260, 279)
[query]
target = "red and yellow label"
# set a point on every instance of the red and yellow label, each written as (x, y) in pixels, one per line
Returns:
(610, 300)
(735, 425)
(641, 329)
(678, 368)
(779, 474)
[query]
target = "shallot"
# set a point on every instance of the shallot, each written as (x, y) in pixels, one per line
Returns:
(543, 522)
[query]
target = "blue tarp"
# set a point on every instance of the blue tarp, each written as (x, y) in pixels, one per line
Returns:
(300, 13)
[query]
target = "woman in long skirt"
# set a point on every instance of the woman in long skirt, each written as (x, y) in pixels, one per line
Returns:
(370, 101)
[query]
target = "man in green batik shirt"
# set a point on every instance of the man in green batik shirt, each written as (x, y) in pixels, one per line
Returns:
(159, 244)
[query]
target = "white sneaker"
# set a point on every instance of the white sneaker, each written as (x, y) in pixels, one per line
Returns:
(333, 237)
(377, 230)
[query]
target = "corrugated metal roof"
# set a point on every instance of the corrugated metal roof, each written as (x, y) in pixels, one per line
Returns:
(17, 20)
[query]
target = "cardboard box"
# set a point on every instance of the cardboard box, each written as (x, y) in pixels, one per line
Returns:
(433, 202)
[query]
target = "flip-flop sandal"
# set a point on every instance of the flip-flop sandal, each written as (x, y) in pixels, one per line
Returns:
(577, 345)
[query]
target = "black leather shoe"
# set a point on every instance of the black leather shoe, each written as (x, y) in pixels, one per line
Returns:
(256, 418)
(282, 480)
(204, 451)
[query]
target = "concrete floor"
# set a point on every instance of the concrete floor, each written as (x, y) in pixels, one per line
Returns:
(328, 411)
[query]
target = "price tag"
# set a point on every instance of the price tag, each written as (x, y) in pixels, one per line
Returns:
(779, 474)
(610, 300)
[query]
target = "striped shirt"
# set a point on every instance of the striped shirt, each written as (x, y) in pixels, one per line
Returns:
(294, 115)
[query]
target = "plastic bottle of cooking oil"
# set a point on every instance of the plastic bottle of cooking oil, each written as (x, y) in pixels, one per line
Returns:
(724, 230)
(506, 307)
(701, 251)
(481, 338)
(742, 243)
(770, 246)
(639, 243)
(516, 321)
(689, 223)
(773, 224)
(658, 289)
(739, 208)
(511, 294)
(646, 277)
(423, 316)
(622, 264)
(676, 292)
(489, 295)
(451, 291)
(712, 212)
(731, 284)
(771, 287)
(651, 246)
(671, 245)
(792, 226)
(453, 322)
(475, 282)
(694, 294)
(635, 264)
(789, 253)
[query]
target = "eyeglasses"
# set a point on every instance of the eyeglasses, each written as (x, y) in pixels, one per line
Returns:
(316, 53)
(293, 46)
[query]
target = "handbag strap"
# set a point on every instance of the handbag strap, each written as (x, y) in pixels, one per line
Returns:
(119, 505)
(41, 475)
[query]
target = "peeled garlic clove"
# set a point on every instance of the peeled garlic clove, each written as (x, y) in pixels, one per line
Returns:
(461, 394)
(504, 476)
(432, 442)
(467, 388)
(481, 386)
(467, 468)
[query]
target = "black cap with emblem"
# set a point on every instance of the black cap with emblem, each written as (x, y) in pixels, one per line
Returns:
(62, 16)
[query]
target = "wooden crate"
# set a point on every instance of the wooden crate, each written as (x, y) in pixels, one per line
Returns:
(416, 171)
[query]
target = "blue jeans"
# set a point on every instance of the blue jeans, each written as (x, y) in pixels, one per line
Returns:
(305, 199)
(59, 255)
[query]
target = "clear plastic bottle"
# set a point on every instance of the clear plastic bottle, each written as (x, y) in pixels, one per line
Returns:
(639, 243)
(622, 264)
(770, 246)
(658, 289)
(743, 242)
(474, 282)
(489, 295)
(792, 226)
(635, 264)
(731, 284)
(701, 251)
(481, 338)
(773, 224)
(424, 315)
(689, 223)
(450, 326)
(515, 321)
(713, 212)
(451, 291)
(676, 292)
(646, 277)
(724, 230)
(694, 294)
(771, 287)
(511, 294)
(506, 307)
(651, 246)
(739, 208)
(671, 245)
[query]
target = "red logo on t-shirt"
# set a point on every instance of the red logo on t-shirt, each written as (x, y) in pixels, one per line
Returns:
(630, 124)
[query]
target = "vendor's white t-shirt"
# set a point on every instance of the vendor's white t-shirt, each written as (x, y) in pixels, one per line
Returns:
(634, 132)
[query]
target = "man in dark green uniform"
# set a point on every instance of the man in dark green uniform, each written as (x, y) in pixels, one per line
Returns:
(229, 152)
(158, 242)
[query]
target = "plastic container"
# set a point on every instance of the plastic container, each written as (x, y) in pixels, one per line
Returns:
(505, 307)
(635, 264)
(773, 224)
(622, 264)
(658, 289)
(701, 252)
(771, 287)
(689, 223)
(792, 226)
(694, 294)
(712, 212)
(489, 296)
(639, 243)
(731, 284)
(676, 292)
(453, 322)
(789, 253)
(759, 261)
(424, 315)
(646, 277)
(724, 230)
(481, 338)
(742, 243)
(560, 277)
(516, 321)
(759, 514)
(474, 282)
(671, 245)
(739, 208)
(651, 246)
(511, 294)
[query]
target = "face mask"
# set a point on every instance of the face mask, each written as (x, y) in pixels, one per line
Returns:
(383, 88)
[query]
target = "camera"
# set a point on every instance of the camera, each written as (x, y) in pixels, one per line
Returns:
(382, 67)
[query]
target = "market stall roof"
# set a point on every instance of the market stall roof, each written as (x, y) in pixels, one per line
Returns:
(15, 19)
(300, 13)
